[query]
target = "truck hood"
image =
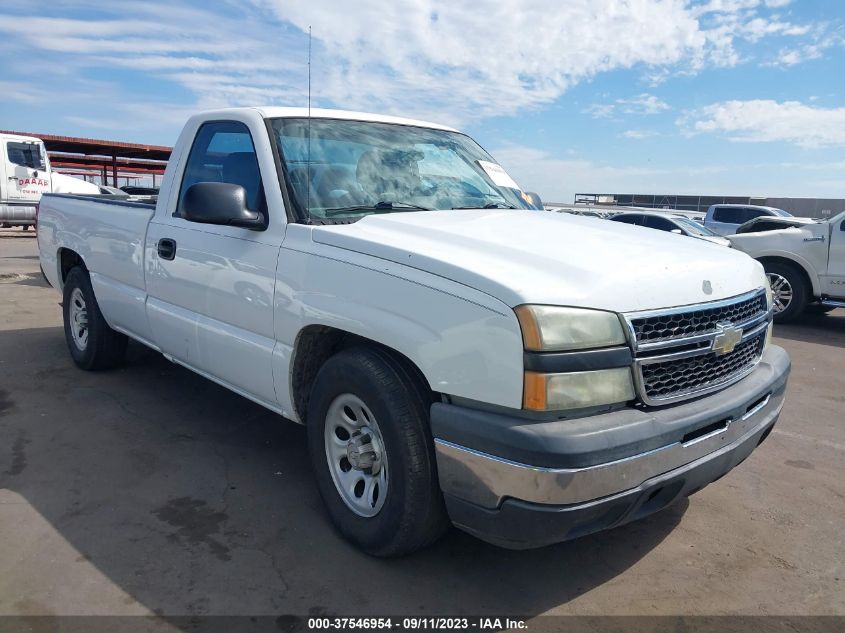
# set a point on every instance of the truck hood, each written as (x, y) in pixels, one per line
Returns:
(550, 258)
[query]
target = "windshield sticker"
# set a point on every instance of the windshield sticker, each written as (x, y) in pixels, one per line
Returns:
(497, 174)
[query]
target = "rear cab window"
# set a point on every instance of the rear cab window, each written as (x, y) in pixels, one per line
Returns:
(729, 215)
(751, 213)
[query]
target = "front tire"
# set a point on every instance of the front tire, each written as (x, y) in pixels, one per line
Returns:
(789, 291)
(372, 452)
(92, 343)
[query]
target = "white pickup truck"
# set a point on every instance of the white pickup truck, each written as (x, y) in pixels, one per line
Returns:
(455, 355)
(805, 265)
(25, 174)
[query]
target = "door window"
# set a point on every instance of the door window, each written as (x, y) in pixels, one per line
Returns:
(25, 154)
(223, 151)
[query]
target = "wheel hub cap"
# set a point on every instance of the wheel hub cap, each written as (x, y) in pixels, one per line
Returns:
(781, 292)
(78, 317)
(356, 455)
(364, 452)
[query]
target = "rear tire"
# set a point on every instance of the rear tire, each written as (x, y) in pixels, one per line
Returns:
(789, 290)
(92, 343)
(393, 506)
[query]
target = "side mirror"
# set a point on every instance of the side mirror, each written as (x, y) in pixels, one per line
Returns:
(677, 231)
(220, 203)
(533, 199)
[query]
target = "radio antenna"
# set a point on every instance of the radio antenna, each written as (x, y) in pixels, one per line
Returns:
(308, 164)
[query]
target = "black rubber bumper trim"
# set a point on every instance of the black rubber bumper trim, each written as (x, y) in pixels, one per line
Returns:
(605, 437)
(590, 360)
(521, 525)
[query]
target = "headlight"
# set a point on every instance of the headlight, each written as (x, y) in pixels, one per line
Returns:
(768, 287)
(553, 392)
(555, 329)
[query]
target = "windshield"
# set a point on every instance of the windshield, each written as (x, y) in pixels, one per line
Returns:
(354, 168)
(834, 219)
(782, 213)
(694, 228)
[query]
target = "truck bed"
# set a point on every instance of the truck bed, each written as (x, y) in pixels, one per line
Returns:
(109, 235)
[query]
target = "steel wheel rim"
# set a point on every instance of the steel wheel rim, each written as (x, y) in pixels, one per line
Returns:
(356, 456)
(78, 317)
(781, 292)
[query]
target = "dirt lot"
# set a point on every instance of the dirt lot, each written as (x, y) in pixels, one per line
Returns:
(151, 490)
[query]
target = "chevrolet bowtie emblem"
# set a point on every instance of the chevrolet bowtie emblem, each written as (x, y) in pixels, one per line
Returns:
(726, 339)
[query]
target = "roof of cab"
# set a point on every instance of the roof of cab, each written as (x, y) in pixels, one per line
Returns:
(748, 206)
(661, 214)
(10, 136)
(275, 112)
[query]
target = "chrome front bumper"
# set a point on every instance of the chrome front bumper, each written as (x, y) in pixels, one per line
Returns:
(720, 422)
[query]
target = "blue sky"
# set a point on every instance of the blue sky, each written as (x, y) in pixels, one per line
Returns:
(735, 97)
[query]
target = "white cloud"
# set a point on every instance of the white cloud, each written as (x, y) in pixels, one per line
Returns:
(765, 120)
(600, 110)
(220, 59)
(792, 57)
(643, 104)
(640, 104)
(638, 135)
(757, 28)
(485, 58)
(453, 61)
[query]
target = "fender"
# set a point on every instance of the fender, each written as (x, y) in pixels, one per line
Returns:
(798, 260)
(464, 342)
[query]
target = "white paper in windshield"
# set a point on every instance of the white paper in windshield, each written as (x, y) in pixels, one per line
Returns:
(497, 174)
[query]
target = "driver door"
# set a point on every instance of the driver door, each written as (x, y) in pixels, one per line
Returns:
(210, 287)
(26, 171)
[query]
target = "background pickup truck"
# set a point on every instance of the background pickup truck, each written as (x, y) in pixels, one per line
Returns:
(805, 265)
(530, 376)
(725, 219)
(25, 174)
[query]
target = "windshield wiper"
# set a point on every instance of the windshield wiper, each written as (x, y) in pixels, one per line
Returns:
(492, 205)
(382, 205)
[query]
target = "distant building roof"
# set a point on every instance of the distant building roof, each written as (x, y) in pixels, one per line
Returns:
(99, 147)
(100, 157)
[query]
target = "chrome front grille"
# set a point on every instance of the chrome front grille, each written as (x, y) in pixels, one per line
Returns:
(688, 351)
(690, 322)
(674, 378)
